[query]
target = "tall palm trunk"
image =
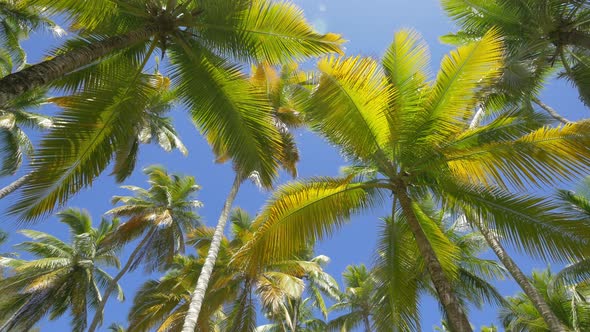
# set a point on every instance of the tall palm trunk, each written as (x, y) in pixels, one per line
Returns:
(520, 278)
(533, 294)
(45, 72)
(190, 322)
(453, 309)
(98, 315)
(9, 189)
(553, 113)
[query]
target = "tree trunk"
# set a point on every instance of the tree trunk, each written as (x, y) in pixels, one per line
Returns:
(492, 240)
(550, 111)
(98, 315)
(190, 322)
(9, 189)
(45, 72)
(533, 294)
(453, 309)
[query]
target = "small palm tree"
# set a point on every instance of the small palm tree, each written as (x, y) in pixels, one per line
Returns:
(65, 275)
(409, 138)
(161, 216)
(569, 302)
(357, 300)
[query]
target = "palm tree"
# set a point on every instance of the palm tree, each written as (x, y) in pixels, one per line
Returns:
(163, 304)
(570, 302)
(203, 42)
(65, 275)
(357, 300)
(539, 37)
(285, 92)
(245, 29)
(408, 137)
(400, 276)
(160, 216)
(298, 316)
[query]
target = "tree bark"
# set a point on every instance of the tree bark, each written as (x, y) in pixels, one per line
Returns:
(455, 314)
(494, 243)
(550, 111)
(533, 294)
(190, 321)
(9, 189)
(98, 315)
(45, 72)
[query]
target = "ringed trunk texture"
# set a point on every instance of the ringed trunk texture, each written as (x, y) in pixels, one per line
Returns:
(453, 309)
(98, 315)
(532, 293)
(9, 189)
(45, 72)
(190, 321)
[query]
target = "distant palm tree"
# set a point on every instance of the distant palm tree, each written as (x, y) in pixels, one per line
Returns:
(408, 138)
(357, 299)
(570, 303)
(161, 216)
(65, 275)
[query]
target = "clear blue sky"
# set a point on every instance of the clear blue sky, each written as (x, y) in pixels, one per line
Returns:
(368, 25)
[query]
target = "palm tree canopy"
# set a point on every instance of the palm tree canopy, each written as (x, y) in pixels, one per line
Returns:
(400, 130)
(64, 276)
(538, 36)
(165, 212)
(204, 43)
(229, 305)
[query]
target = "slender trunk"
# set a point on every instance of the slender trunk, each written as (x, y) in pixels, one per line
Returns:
(453, 309)
(98, 315)
(190, 322)
(550, 111)
(521, 279)
(492, 240)
(477, 117)
(45, 72)
(9, 189)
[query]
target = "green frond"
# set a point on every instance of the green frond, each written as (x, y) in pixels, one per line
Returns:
(349, 106)
(81, 144)
(262, 30)
(453, 97)
(543, 156)
(223, 105)
(531, 224)
(301, 213)
(406, 65)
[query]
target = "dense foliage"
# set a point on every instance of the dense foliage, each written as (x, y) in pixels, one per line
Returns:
(464, 159)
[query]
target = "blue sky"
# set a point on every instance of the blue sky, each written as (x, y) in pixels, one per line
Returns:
(368, 26)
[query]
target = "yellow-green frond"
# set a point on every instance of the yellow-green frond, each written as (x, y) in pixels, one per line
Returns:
(453, 97)
(301, 213)
(543, 157)
(349, 105)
